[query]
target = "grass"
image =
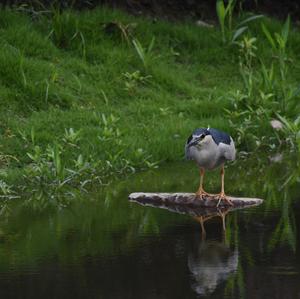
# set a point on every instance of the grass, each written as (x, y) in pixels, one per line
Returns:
(131, 104)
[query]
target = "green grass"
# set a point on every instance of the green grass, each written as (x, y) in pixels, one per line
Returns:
(66, 71)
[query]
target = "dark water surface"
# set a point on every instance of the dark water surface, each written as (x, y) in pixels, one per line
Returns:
(103, 246)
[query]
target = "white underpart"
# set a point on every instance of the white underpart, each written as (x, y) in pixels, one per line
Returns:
(209, 155)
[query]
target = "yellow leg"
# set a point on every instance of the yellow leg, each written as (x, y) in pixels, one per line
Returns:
(222, 195)
(200, 190)
(222, 180)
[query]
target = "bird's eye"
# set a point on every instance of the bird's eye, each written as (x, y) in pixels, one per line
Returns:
(201, 136)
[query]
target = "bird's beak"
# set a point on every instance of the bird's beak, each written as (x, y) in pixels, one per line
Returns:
(195, 141)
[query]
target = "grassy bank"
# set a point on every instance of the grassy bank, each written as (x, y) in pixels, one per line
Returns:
(86, 95)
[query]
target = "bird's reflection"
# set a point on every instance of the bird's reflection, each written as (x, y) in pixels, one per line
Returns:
(211, 262)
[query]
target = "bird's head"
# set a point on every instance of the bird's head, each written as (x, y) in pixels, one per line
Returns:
(199, 138)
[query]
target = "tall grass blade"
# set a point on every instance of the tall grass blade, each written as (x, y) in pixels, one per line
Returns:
(268, 35)
(228, 12)
(57, 161)
(221, 16)
(285, 30)
(238, 32)
(151, 45)
(250, 19)
(140, 50)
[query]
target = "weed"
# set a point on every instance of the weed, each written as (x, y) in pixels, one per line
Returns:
(64, 26)
(266, 92)
(278, 42)
(6, 191)
(72, 137)
(125, 30)
(146, 55)
(133, 80)
(225, 14)
(225, 17)
(291, 130)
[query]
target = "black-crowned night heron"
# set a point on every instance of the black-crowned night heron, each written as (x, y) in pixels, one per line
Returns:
(210, 148)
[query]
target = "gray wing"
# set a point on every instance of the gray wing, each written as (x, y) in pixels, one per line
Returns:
(228, 150)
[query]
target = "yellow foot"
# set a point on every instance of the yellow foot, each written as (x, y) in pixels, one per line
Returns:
(200, 193)
(223, 197)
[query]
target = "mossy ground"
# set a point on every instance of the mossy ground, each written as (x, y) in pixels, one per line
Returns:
(63, 71)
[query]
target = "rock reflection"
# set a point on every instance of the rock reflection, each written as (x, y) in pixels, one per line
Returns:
(196, 212)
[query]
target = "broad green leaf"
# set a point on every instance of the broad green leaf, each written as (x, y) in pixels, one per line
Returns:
(220, 11)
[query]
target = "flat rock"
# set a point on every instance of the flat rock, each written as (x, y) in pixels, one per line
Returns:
(190, 199)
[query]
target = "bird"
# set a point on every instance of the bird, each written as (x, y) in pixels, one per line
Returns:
(210, 148)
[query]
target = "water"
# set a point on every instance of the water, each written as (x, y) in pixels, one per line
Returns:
(103, 246)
